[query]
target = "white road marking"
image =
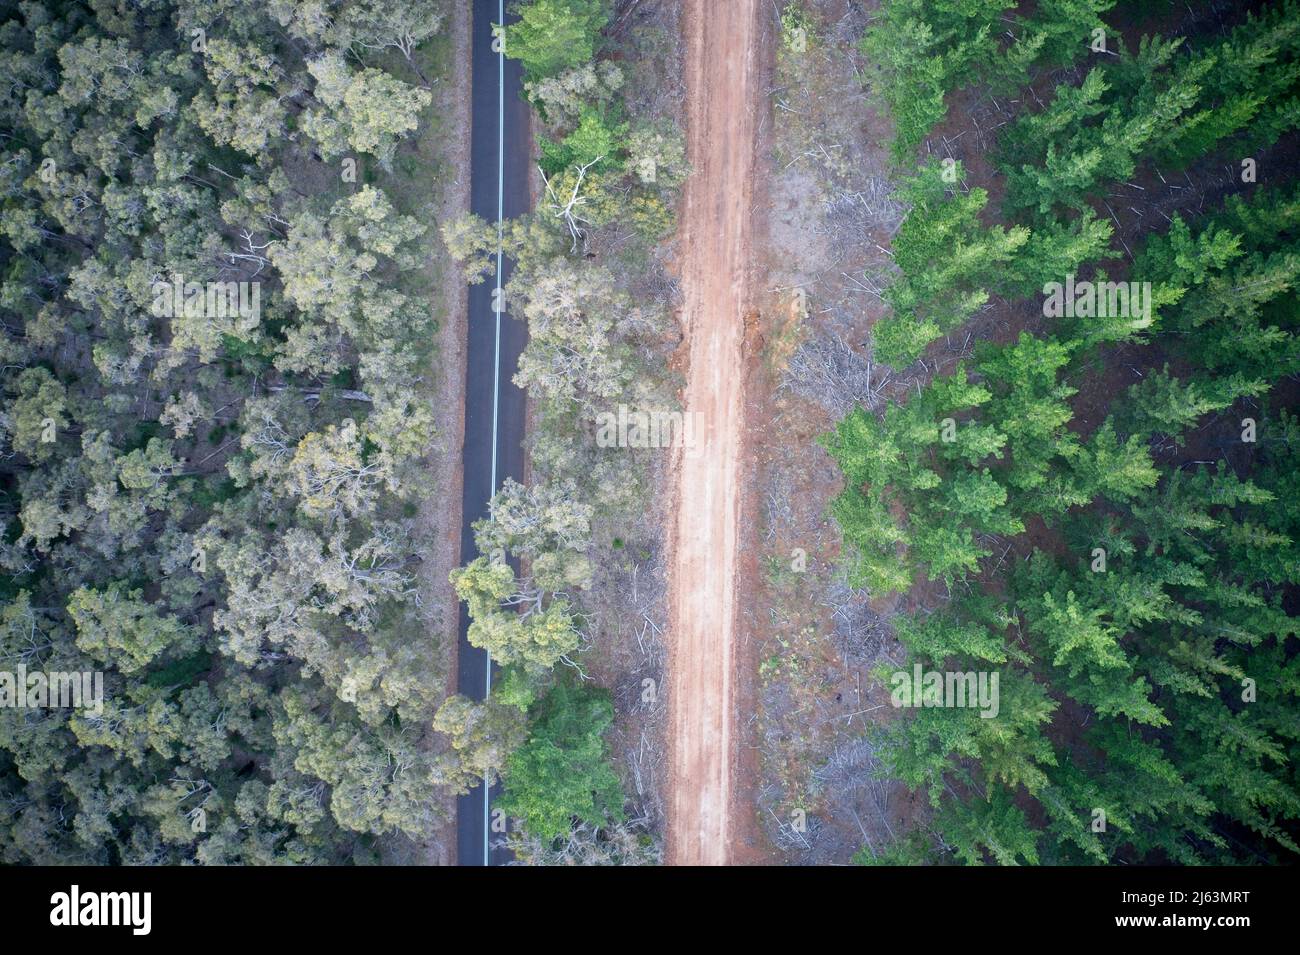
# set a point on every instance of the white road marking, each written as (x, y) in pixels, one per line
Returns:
(496, 372)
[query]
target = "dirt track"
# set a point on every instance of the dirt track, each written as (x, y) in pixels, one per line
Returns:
(722, 110)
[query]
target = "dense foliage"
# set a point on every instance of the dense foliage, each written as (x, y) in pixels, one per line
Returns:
(1130, 577)
(213, 506)
(1159, 107)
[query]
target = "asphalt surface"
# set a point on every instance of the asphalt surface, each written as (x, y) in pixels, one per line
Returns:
(494, 407)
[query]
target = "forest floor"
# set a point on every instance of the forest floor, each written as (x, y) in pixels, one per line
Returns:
(723, 104)
(813, 644)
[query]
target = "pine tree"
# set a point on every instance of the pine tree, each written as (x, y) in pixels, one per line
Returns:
(922, 50)
(1162, 404)
(994, 829)
(944, 253)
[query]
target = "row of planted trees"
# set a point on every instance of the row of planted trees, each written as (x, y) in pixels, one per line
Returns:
(1129, 575)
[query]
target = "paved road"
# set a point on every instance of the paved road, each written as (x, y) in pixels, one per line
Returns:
(494, 407)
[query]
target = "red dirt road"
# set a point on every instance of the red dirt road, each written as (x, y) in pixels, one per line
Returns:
(722, 111)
